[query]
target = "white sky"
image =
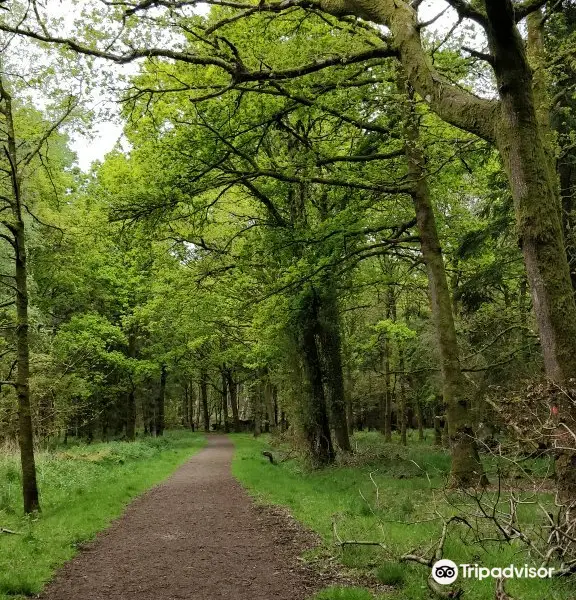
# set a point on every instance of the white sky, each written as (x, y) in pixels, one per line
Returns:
(106, 133)
(89, 150)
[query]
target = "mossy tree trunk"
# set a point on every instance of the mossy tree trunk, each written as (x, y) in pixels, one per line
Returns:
(466, 466)
(315, 421)
(521, 142)
(17, 238)
(331, 345)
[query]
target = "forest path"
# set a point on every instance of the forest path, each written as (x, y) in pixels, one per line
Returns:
(197, 536)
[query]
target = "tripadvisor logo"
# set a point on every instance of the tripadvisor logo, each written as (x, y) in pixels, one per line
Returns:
(446, 572)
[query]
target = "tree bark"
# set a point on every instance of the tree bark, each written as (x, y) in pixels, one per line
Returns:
(391, 315)
(131, 395)
(401, 412)
(466, 466)
(269, 401)
(316, 426)
(198, 410)
(331, 345)
(225, 401)
(349, 405)
(275, 403)
(257, 408)
(521, 143)
(25, 427)
(18, 242)
(233, 400)
(185, 406)
(191, 406)
(385, 403)
(204, 400)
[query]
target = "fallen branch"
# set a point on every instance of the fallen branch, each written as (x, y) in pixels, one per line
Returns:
(338, 541)
(4, 530)
(439, 590)
(501, 593)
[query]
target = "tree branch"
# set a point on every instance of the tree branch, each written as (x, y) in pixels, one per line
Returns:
(452, 104)
(521, 11)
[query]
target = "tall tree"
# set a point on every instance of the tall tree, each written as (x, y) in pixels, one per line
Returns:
(22, 155)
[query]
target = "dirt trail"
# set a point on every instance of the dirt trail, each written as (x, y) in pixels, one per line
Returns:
(197, 536)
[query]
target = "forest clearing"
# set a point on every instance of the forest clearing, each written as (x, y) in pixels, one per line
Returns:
(288, 299)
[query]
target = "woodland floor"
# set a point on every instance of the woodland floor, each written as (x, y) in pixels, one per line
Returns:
(197, 536)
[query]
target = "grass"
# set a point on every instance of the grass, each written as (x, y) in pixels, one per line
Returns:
(83, 488)
(410, 486)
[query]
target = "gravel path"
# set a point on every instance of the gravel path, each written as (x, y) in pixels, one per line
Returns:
(197, 536)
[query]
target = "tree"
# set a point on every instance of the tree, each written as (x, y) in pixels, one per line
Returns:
(21, 156)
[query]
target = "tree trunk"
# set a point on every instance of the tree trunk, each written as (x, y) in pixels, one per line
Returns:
(331, 344)
(192, 406)
(131, 415)
(349, 405)
(18, 242)
(420, 417)
(131, 395)
(275, 403)
(198, 410)
(25, 427)
(402, 416)
(160, 402)
(225, 401)
(466, 466)
(390, 314)
(316, 426)
(384, 405)
(233, 400)
(269, 401)
(257, 409)
(185, 407)
(522, 146)
(204, 400)
(524, 138)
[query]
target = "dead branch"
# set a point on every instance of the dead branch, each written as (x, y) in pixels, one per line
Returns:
(9, 531)
(338, 541)
(500, 593)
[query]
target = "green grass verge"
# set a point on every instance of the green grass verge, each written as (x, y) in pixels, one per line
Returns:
(83, 488)
(405, 496)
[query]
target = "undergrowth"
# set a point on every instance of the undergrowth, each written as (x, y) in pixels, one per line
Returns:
(389, 494)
